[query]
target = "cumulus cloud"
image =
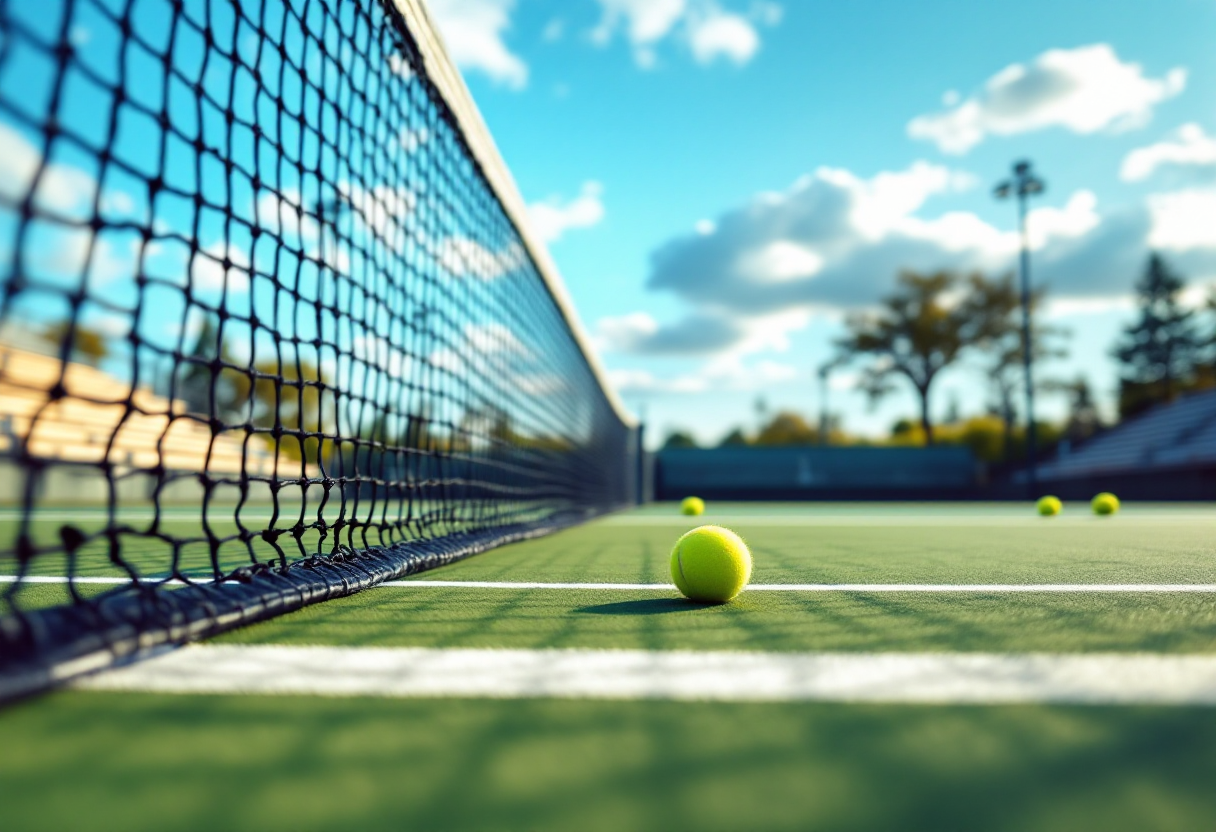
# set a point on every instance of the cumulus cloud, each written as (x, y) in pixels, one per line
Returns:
(1183, 220)
(1086, 90)
(66, 193)
(713, 33)
(643, 381)
(837, 240)
(473, 31)
(553, 218)
(728, 373)
(701, 333)
(640, 334)
(709, 31)
(463, 257)
(1188, 147)
(488, 349)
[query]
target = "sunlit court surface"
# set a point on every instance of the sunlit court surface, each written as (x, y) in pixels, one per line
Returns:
(657, 415)
(493, 692)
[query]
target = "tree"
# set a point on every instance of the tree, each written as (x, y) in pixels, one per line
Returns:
(786, 428)
(995, 309)
(88, 345)
(916, 334)
(1160, 350)
(202, 384)
(679, 439)
(290, 393)
(1083, 418)
(736, 438)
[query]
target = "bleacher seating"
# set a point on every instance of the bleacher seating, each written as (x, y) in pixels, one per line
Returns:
(93, 422)
(1181, 433)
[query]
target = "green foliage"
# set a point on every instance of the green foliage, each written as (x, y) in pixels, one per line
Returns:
(787, 428)
(679, 439)
(735, 438)
(918, 331)
(996, 305)
(285, 395)
(89, 345)
(986, 436)
(1160, 351)
(1083, 417)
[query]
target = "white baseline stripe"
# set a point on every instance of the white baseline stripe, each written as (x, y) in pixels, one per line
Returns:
(983, 588)
(974, 678)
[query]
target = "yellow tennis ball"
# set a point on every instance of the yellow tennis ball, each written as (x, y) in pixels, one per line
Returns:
(692, 506)
(1105, 503)
(711, 563)
(1049, 506)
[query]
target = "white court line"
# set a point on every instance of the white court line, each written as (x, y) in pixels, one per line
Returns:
(971, 678)
(983, 588)
(866, 521)
(831, 587)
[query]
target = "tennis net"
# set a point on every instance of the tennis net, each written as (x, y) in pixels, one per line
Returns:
(273, 327)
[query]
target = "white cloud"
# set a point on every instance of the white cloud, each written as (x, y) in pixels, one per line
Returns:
(495, 339)
(1078, 217)
(1183, 220)
(713, 33)
(642, 381)
(836, 240)
(728, 373)
(882, 203)
(380, 356)
(1086, 89)
(647, 21)
(413, 139)
(473, 31)
(781, 260)
(552, 218)
(62, 189)
(462, 257)
(207, 271)
(68, 193)
(1190, 146)
(709, 31)
(703, 333)
(492, 348)
(624, 333)
(1066, 308)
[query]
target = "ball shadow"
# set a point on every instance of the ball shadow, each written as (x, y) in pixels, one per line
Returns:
(644, 606)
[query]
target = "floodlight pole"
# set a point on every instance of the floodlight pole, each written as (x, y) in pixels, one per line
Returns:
(1025, 184)
(823, 403)
(825, 370)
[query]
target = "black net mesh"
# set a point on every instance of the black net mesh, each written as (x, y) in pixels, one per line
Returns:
(267, 334)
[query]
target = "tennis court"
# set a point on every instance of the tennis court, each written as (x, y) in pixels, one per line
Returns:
(656, 759)
(318, 509)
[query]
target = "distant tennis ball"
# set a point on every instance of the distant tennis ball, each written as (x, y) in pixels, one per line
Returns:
(711, 563)
(1049, 506)
(1105, 503)
(692, 506)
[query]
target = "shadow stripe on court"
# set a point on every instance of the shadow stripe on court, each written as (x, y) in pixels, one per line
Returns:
(930, 678)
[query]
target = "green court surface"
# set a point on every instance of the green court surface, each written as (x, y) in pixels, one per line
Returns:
(93, 760)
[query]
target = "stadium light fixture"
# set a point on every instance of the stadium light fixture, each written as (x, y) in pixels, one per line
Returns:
(1024, 184)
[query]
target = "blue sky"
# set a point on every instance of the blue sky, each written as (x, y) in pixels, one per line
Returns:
(722, 181)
